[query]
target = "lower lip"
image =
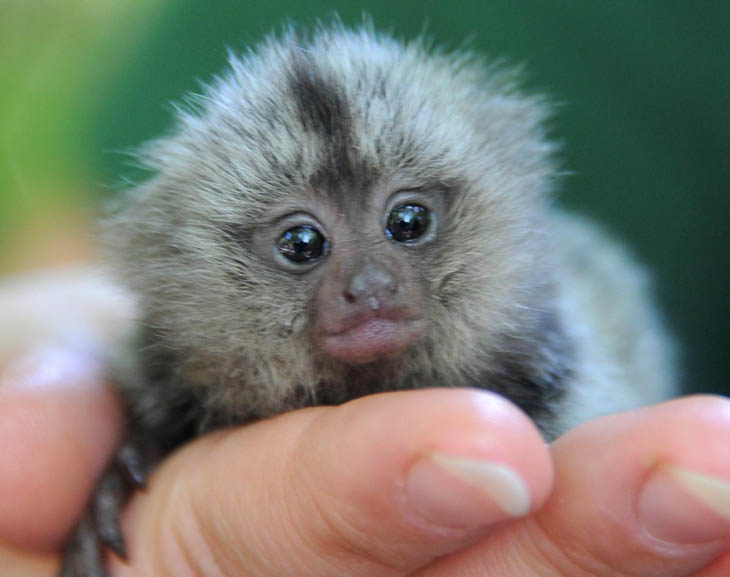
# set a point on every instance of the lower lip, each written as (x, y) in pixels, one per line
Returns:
(371, 340)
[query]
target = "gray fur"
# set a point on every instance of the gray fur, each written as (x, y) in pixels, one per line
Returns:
(518, 297)
(339, 118)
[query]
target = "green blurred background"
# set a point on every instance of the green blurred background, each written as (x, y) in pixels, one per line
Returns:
(643, 89)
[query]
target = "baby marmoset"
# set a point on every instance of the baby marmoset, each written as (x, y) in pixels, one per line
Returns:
(343, 214)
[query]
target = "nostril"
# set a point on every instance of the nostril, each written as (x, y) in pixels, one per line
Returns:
(349, 297)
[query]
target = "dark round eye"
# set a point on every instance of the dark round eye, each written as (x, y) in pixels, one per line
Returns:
(302, 244)
(407, 222)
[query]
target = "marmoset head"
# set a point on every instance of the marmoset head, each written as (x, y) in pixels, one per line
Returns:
(337, 208)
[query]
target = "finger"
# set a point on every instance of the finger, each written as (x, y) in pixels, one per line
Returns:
(379, 486)
(645, 493)
(23, 564)
(59, 424)
(718, 568)
(74, 307)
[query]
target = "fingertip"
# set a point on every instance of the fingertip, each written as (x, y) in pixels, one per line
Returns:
(59, 422)
(433, 460)
(677, 505)
(459, 492)
(685, 497)
(659, 482)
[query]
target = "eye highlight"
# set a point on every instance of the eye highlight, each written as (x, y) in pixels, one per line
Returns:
(302, 244)
(408, 222)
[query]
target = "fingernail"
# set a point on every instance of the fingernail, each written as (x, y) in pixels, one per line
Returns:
(461, 492)
(50, 366)
(682, 506)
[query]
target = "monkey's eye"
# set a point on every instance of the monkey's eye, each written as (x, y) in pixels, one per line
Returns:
(302, 244)
(407, 222)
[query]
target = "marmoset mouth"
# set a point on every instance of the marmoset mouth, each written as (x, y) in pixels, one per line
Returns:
(372, 339)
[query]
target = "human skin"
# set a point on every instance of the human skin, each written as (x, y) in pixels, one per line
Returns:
(362, 489)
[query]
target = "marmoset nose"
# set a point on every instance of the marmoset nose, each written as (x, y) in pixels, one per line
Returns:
(371, 286)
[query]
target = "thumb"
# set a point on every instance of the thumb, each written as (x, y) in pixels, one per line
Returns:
(379, 486)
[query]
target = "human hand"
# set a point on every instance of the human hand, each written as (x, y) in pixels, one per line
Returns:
(59, 421)
(326, 490)
(356, 491)
(353, 491)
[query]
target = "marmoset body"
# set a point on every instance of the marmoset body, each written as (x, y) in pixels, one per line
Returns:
(342, 214)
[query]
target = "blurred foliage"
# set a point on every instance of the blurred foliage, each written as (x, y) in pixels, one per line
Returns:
(54, 56)
(642, 87)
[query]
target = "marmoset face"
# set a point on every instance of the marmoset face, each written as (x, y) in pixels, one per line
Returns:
(345, 204)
